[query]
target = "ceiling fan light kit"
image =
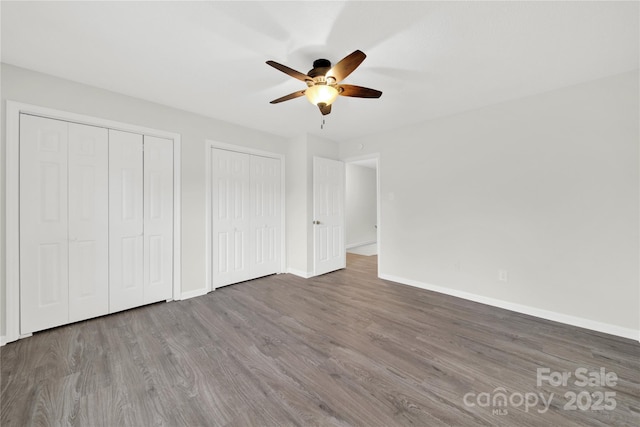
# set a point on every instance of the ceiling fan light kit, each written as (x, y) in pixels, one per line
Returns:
(321, 94)
(322, 82)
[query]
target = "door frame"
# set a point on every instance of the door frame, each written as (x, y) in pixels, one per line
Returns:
(376, 157)
(12, 199)
(208, 146)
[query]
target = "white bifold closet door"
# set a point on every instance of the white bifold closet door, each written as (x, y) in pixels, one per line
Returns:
(265, 216)
(88, 222)
(230, 212)
(140, 219)
(63, 222)
(246, 216)
(96, 221)
(126, 221)
(158, 219)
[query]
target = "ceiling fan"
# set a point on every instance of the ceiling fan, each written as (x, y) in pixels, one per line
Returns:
(322, 82)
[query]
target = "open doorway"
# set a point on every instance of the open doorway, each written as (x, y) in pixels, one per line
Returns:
(361, 208)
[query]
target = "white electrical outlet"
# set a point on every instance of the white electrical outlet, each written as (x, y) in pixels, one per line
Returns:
(502, 275)
(456, 267)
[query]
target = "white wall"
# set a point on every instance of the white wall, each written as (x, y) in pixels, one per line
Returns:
(545, 187)
(39, 89)
(361, 205)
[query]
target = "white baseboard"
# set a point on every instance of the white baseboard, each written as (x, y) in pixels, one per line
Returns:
(581, 322)
(4, 340)
(355, 245)
(193, 294)
(299, 273)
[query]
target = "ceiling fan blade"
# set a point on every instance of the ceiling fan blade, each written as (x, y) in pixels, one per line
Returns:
(342, 69)
(325, 109)
(288, 97)
(359, 91)
(290, 71)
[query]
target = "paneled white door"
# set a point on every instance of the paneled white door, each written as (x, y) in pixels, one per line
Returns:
(44, 266)
(88, 222)
(158, 219)
(96, 221)
(328, 213)
(230, 215)
(126, 221)
(265, 216)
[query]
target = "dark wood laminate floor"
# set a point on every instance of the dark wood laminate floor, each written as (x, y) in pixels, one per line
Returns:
(342, 349)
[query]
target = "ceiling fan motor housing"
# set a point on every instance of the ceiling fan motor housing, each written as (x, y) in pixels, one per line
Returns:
(320, 68)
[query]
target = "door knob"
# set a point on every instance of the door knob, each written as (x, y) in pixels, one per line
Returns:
(316, 222)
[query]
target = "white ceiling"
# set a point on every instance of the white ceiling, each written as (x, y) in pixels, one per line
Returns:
(429, 58)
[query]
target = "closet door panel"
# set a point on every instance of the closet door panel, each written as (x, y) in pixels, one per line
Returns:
(43, 224)
(126, 221)
(88, 222)
(265, 216)
(231, 224)
(158, 219)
